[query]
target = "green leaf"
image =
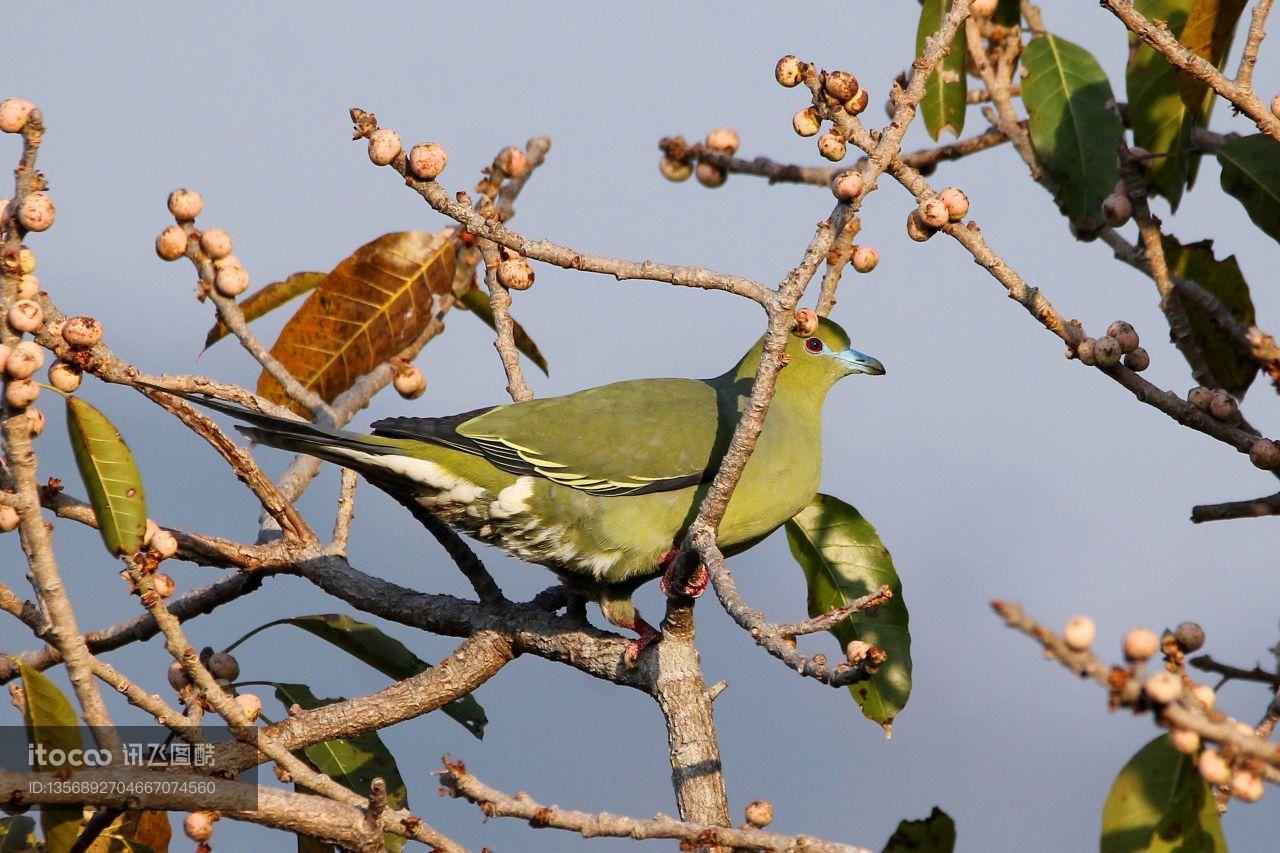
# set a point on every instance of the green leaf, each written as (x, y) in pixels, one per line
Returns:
(110, 477)
(1208, 32)
(1234, 369)
(387, 655)
(1160, 802)
(843, 559)
(1251, 174)
(17, 834)
(934, 834)
(1162, 122)
(1073, 123)
(943, 103)
(475, 300)
(353, 762)
(267, 299)
(51, 723)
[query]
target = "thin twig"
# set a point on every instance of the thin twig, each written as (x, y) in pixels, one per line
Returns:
(457, 782)
(1257, 32)
(1256, 508)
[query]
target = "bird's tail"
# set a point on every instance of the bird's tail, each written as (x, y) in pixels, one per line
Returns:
(333, 445)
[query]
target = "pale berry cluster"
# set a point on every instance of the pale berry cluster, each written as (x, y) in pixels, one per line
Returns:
(839, 88)
(230, 278)
(1119, 343)
(949, 206)
(1217, 403)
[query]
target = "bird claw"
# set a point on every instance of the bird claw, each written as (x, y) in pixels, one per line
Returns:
(648, 636)
(693, 588)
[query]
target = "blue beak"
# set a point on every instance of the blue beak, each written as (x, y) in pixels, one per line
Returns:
(856, 362)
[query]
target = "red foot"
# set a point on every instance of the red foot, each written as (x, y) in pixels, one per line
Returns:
(693, 588)
(648, 636)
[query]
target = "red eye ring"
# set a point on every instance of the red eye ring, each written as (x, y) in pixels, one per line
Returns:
(813, 345)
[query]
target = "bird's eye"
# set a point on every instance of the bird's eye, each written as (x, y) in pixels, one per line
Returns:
(813, 345)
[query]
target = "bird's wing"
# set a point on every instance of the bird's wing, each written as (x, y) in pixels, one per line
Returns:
(648, 435)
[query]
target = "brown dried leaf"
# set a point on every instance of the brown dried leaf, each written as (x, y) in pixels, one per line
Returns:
(373, 304)
(268, 298)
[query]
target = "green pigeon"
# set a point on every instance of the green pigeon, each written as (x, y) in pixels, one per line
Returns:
(600, 486)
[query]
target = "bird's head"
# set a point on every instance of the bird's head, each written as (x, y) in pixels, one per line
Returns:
(824, 356)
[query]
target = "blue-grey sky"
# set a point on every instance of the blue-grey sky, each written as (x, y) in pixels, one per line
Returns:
(991, 465)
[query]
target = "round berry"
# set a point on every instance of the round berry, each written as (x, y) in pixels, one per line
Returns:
(26, 315)
(163, 584)
(1200, 397)
(724, 140)
(1214, 768)
(1265, 453)
(250, 705)
(1246, 786)
(28, 287)
(1205, 695)
(1085, 351)
(224, 665)
(36, 212)
(517, 273)
(81, 331)
(185, 204)
(512, 162)
(1106, 351)
(933, 212)
(1140, 644)
(983, 8)
(806, 322)
(916, 229)
(427, 161)
(9, 519)
(1117, 210)
(1138, 360)
(409, 382)
(230, 279)
(177, 677)
(171, 244)
(25, 359)
(710, 175)
(858, 103)
(957, 203)
(1185, 741)
(26, 260)
(199, 826)
(806, 122)
(1163, 687)
(840, 85)
(21, 393)
(831, 145)
(865, 258)
(384, 145)
(1189, 636)
(4, 356)
(14, 113)
(163, 544)
(1222, 405)
(675, 170)
(848, 185)
(759, 814)
(1079, 633)
(789, 71)
(215, 242)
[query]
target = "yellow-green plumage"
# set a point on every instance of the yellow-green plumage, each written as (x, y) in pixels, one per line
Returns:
(599, 485)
